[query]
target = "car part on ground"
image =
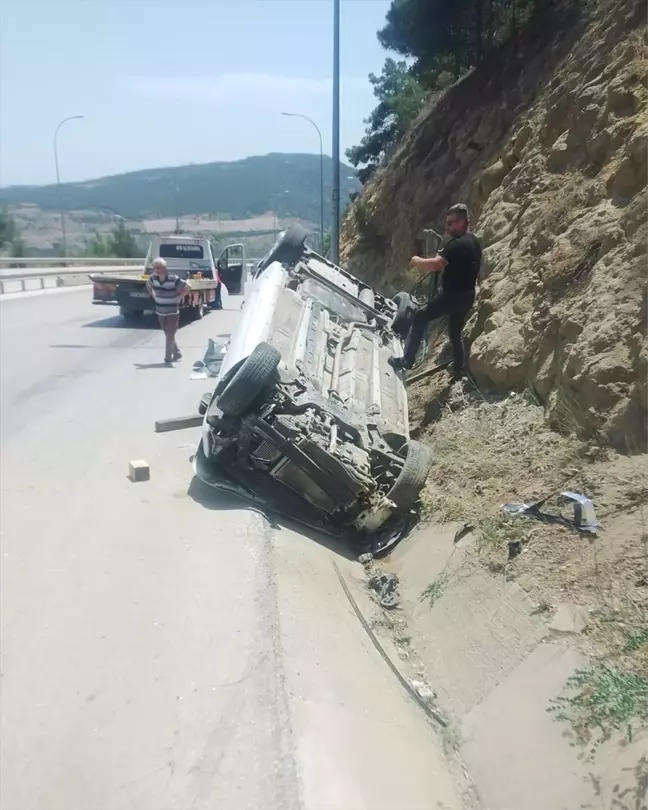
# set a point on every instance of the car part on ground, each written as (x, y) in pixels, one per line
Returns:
(308, 418)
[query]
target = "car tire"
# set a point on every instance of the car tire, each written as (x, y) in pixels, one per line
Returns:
(131, 314)
(255, 374)
(402, 318)
(289, 249)
(412, 477)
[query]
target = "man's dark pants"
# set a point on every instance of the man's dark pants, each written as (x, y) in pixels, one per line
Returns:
(457, 306)
(169, 324)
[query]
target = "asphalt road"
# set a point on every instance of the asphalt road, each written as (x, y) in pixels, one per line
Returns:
(162, 649)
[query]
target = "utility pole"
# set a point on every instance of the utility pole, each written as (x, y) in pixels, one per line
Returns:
(335, 223)
(310, 120)
(58, 178)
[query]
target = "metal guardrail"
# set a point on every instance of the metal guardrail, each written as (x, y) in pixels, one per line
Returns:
(48, 261)
(22, 276)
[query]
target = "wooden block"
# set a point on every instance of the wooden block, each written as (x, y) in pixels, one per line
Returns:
(139, 471)
(178, 423)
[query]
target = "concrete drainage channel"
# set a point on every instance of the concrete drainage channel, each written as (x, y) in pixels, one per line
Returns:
(489, 666)
(362, 736)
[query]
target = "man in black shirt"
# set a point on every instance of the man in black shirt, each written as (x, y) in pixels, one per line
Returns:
(459, 261)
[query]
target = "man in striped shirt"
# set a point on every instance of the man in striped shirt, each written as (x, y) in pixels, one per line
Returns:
(167, 289)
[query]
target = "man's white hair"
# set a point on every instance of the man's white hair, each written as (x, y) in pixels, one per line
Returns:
(159, 262)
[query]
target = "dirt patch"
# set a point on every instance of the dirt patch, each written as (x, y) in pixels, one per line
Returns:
(490, 450)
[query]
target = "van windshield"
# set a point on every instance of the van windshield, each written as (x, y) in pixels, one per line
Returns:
(181, 251)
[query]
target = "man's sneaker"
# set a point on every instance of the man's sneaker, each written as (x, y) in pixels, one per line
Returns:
(398, 363)
(177, 355)
(167, 361)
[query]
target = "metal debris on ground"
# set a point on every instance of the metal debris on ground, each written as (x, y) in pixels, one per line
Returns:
(386, 588)
(584, 519)
(210, 365)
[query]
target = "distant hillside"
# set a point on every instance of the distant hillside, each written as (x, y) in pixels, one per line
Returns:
(286, 184)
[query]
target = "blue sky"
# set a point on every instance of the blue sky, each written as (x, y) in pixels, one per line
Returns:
(169, 82)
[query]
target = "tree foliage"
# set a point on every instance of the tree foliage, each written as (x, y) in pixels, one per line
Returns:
(119, 243)
(400, 99)
(442, 41)
(8, 229)
(10, 236)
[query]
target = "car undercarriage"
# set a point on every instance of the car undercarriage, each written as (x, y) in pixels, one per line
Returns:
(308, 418)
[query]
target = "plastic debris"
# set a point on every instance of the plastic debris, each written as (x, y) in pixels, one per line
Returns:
(211, 363)
(386, 587)
(584, 519)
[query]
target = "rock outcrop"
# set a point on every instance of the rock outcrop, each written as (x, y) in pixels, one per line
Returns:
(547, 141)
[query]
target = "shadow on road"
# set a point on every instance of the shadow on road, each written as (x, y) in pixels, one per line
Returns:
(118, 322)
(144, 366)
(211, 498)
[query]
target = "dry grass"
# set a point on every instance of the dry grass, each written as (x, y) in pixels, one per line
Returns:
(493, 450)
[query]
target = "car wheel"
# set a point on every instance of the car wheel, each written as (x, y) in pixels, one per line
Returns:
(255, 373)
(131, 314)
(289, 248)
(402, 318)
(412, 477)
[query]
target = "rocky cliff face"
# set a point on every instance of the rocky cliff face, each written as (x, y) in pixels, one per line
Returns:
(547, 142)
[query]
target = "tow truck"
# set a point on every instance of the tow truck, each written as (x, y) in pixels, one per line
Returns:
(189, 256)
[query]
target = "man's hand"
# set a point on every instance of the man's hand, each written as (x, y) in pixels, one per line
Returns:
(435, 264)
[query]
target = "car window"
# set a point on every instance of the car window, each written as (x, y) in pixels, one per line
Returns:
(181, 251)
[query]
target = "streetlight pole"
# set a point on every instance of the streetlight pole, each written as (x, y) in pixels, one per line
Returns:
(335, 225)
(58, 177)
(310, 120)
(273, 200)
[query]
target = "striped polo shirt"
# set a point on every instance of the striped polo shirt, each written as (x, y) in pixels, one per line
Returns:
(166, 294)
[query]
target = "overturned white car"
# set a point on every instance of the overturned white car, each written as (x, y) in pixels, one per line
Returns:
(308, 419)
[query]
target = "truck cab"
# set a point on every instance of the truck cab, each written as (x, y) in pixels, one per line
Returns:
(187, 255)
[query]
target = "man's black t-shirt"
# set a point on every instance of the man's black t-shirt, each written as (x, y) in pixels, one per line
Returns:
(463, 254)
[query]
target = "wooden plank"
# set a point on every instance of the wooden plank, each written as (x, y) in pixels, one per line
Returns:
(178, 423)
(428, 372)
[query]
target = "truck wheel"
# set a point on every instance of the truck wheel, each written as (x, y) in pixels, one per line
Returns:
(255, 374)
(412, 477)
(195, 311)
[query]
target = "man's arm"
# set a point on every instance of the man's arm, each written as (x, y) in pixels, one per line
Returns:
(434, 264)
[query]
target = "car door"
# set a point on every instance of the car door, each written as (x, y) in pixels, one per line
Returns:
(231, 268)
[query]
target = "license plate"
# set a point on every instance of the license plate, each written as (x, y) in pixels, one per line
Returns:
(139, 295)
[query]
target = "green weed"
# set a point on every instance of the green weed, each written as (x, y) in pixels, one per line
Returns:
(602, 700)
